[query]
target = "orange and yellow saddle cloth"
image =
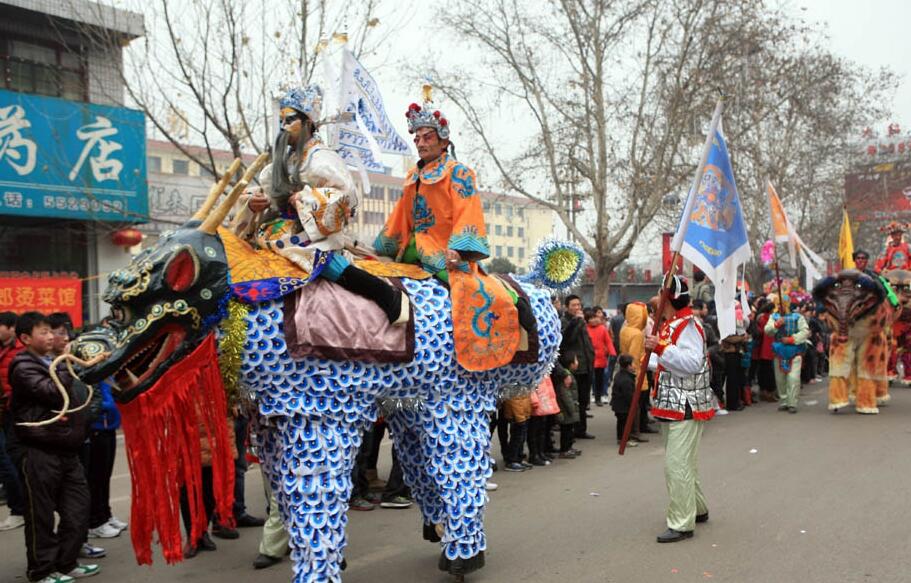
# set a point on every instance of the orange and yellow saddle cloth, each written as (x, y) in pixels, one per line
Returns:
(485, 320)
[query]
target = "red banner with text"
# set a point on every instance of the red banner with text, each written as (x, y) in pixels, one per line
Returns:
(42, 294)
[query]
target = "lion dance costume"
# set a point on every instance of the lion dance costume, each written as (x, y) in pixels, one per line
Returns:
(859, 353)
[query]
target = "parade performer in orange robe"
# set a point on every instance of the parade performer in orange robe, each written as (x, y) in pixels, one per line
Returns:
(898, 253)
(439, 224)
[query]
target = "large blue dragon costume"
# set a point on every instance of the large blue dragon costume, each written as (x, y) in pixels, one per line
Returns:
(178, 294)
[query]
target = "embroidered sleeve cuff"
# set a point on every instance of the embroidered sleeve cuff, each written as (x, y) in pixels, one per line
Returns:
(472, 247)
(386, 245)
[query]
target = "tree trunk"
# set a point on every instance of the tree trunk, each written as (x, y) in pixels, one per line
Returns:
(601, 294)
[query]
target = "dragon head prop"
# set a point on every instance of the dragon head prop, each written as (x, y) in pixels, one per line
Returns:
(165, 302)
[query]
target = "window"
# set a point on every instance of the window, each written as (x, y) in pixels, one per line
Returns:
(498, 229)
(395, 194)
(521, 252)
(45, 68)
(508, 211)
(154, 164)
(376, 193)
(520, 212)
(486, 227)
(509, 231)
(486, 206)
(497, 209)
(521, 232)
(180, 167)
(374, 218)
(499, 251)
(509, 251)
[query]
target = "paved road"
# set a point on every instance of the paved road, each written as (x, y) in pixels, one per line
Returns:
(825, 498)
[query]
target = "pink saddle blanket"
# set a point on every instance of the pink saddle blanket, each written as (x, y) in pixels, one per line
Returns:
(324, 320)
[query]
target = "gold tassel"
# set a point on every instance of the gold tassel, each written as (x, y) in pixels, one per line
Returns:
(230, 349)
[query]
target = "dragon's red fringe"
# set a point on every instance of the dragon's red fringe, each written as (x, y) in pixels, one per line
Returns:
(163, 427)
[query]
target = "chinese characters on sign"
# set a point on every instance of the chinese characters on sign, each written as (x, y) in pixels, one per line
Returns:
(15, 150)
(45, 295)
(69, 159)
(94, 135)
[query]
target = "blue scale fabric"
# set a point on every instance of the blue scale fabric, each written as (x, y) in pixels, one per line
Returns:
(314, 412)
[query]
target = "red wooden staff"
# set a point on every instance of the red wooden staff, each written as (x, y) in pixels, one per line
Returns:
(643, 366)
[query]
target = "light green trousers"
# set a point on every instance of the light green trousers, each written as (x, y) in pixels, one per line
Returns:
(275, 538)
(788, 383)
(681, 473)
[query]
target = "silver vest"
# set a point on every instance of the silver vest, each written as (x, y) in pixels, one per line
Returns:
(673, 392)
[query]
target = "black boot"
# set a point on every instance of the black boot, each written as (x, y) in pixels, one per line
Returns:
(392, 301)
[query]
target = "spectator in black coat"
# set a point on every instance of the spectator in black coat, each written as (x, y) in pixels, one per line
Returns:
(622, 396)
(577, 341)
(48, 456)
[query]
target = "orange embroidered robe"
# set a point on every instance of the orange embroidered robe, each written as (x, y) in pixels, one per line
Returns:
(441, 209)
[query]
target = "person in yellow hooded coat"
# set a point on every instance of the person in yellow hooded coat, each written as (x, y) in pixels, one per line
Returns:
(632, 342)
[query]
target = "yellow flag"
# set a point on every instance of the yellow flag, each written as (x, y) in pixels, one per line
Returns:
(846, 243)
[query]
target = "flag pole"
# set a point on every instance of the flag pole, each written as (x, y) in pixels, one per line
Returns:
(781, 308)
(669, 276)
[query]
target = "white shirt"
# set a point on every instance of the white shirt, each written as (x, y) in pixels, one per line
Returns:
(686, 356)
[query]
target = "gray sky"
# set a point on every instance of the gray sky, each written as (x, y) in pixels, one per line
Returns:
(873, 33)
(870, 33)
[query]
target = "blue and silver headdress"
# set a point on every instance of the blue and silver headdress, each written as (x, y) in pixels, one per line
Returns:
(307, 100)
(427, 117)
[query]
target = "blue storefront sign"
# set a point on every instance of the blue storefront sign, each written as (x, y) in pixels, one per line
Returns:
(72, 160)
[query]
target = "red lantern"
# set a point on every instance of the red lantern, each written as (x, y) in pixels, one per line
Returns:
(126, 237)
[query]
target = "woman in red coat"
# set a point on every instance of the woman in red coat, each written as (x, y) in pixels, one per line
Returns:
(763, 353)
(604, 349)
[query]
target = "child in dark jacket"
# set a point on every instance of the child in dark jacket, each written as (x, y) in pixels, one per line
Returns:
(568, 398)
(48, 457)
(622, 396)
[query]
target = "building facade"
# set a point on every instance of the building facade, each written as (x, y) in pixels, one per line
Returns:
(72, 159)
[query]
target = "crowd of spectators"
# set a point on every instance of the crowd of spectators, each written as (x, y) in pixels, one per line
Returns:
(67, 468)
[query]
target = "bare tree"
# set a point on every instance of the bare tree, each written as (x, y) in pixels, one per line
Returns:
(614, 96)
(796, 112)
(206, 71)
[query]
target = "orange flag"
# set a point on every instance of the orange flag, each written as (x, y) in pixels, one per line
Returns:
(781, 225)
